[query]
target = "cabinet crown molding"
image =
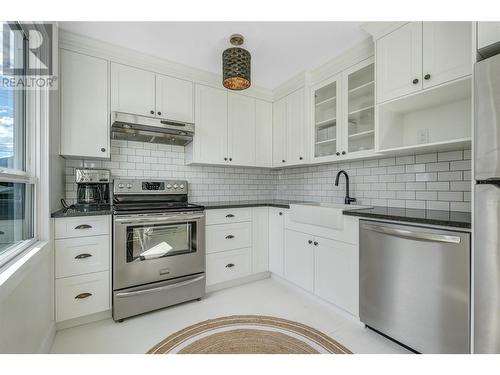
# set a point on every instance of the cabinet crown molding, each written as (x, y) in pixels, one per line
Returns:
(378, 29)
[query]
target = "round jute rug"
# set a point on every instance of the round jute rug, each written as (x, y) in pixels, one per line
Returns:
(248, 334)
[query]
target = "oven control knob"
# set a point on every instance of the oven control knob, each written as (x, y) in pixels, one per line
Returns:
(182, 186)
(176, 186)
(129, 186)
(121, 186)
(169, 186)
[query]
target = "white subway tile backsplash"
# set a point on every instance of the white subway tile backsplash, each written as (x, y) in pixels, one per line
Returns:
(433, 180)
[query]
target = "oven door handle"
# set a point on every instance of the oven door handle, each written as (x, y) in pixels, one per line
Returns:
(163, 219)
(159, 289)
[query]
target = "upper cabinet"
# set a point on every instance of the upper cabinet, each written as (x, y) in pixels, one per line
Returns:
(210, 141)
(447, 52)
(84, 106)
(290, 138)
(231, 129)
(399, 62)
(174, 99)
(343, 114)
(146, 93)
(421, 55)
(132, 90)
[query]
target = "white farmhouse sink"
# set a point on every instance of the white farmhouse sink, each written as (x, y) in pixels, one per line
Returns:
(328, 215)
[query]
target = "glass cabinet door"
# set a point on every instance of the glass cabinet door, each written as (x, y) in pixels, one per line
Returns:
(325, 120)
(360, 109)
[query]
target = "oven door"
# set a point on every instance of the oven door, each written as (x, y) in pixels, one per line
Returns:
(154, 247)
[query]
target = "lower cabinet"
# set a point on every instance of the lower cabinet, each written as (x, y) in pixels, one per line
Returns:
(322, 266)
(82, 295)
(335, 275)
(236, 243)
(299, 259)
(228, 265)
(276, 240)
(82, 266)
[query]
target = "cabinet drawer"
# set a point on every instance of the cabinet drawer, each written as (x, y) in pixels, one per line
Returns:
(78, 256)
(230, 215)
(228, 237)
(228, 265)
(82, 226)
(82, 295)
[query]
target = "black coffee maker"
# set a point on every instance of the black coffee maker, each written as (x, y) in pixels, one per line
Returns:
(92, 186)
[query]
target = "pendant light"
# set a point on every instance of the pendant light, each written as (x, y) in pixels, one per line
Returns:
(236, 65)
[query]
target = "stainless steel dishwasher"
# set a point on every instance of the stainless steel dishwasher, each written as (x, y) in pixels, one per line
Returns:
(415, 285)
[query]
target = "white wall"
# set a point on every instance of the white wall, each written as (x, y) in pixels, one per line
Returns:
(26, 308)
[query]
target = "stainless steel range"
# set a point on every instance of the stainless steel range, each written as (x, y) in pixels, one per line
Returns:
(158, 246)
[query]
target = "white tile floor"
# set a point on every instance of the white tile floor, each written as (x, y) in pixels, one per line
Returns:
(264, 297)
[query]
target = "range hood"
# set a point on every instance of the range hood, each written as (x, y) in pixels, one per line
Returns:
(149, 129)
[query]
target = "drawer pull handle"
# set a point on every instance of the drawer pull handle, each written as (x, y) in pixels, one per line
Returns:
(229, 215)
(2, 232)
(83, 256)
(230, 265)
(229, 236)
(83, 295)
(83, 226)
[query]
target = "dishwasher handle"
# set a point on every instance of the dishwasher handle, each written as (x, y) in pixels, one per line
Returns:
(421, 236)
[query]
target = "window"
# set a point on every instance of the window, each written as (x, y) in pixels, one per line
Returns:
(16, 182)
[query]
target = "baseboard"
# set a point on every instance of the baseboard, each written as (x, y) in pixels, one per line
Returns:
(83, 320)
(47, 342)
(237, 282)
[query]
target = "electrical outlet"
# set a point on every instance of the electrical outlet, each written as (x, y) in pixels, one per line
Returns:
(423, 136)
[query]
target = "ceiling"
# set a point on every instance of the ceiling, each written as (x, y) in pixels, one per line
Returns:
(279, 50)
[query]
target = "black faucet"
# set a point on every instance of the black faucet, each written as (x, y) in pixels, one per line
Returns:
(347, 199)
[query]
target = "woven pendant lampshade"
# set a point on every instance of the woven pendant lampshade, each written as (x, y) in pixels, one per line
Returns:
(236, 65)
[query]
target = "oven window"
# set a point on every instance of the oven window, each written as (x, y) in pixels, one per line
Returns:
(145, 242)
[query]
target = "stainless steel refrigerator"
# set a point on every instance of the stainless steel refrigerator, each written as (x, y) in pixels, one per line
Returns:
(487, 207)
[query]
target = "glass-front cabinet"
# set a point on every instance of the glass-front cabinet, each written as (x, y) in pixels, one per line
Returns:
(343, 114)
(326, 108)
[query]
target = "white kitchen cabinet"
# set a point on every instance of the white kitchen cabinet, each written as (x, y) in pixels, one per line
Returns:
(260, 239)
(241, 130)
(447, 52)
(290, 138)
(335, 273)
(399, 62)
(228, 265)
(210, 140)
(420, 55)
(263, 133)
(84, 106)
(343, 114)
(296, 131)
(276, 240)
(133, 90)
(222, 237)
(488, 33)
(279, 132)
(174, 99)
(299, 259)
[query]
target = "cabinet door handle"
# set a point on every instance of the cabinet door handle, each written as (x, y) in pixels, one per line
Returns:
(230, 159)
(427, 77)
(281, 213)
(152, 112)
(337, 153)
(283, 161)
(83, 295)
(83, 226)
(229, 237)
(300, 157)
(83, 256)
(415, 81)
(103, 149)
(315, 243)
(229, 215)
(225, 159)
(343, 152)
(159, 113)
(230, 265)
(309, 242)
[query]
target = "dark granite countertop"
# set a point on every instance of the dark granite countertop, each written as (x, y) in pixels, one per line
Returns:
(433, 217)
(83, 210)
(279, 203)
